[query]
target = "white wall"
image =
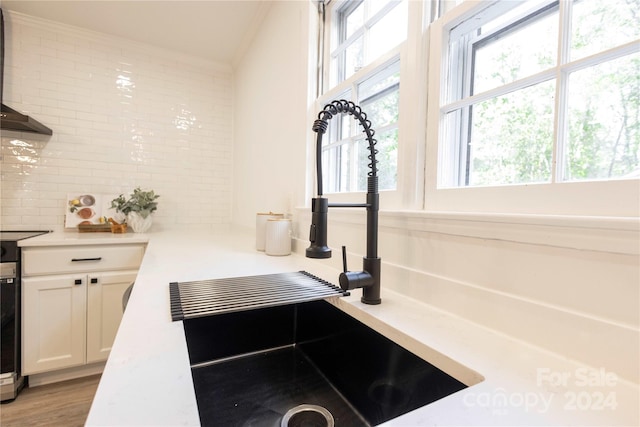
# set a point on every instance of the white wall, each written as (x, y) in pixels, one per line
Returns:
(271, 97)
(123, 115)
(568, 285)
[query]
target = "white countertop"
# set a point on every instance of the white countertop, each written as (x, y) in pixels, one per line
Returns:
(74, 238)
(147, 379)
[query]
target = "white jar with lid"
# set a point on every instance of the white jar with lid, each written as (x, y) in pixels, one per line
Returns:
(278, 237)
(261, 227)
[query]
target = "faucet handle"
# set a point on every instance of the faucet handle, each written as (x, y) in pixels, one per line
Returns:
(344, 259)
(353, 279)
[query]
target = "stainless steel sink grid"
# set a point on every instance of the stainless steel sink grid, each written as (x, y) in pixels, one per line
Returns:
(209, 297)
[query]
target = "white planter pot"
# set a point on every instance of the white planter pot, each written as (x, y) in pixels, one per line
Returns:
(137, 223)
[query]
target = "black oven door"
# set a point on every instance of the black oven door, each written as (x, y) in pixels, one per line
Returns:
(9, 302)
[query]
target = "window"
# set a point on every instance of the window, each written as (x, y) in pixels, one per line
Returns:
(542, 92)
(345, 150)
(365, 69)
(532, 108)
(362, 32)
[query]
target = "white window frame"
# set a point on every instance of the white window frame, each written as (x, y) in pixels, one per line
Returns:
(616, 198)
(339, 46)
(411, 124)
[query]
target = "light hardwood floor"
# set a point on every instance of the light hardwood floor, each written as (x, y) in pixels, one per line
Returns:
(64, 404)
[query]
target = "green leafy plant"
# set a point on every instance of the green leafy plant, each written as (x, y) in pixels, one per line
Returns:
(120, 204)
(140, 201)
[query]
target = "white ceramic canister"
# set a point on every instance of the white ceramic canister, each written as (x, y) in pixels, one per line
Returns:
(278, 237)
(261, 227)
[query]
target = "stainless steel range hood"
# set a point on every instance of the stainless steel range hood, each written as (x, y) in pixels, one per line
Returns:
(11, 119)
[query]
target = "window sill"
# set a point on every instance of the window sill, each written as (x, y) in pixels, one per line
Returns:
(618, 235)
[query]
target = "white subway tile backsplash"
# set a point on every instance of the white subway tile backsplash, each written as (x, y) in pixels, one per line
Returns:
(123, 116)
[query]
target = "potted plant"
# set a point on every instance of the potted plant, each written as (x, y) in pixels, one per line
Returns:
(119, 204)
(137, 209)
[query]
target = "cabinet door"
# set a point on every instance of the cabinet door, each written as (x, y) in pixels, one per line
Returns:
(104, 311)
(53, 322)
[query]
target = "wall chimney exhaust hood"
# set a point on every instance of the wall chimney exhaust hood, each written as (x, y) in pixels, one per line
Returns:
(11, 119)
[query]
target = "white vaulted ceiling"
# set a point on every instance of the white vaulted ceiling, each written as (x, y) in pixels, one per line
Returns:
(212, 29)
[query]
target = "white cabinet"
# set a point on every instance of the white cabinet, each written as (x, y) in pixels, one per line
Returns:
(72, 303)
(53, 323)
(104, 311)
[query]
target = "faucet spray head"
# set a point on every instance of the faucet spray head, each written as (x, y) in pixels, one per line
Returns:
(318, 229)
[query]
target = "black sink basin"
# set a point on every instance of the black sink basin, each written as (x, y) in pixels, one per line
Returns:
(256, 367)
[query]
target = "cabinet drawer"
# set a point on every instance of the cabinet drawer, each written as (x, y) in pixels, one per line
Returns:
(54, 260)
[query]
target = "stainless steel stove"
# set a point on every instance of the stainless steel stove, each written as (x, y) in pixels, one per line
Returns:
(11, 381)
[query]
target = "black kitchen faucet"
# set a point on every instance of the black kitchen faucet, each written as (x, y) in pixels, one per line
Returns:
(369, 278)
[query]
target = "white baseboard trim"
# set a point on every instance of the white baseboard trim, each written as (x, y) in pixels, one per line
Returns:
(36, 380)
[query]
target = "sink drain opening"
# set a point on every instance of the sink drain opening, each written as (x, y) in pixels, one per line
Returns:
(307, 416)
